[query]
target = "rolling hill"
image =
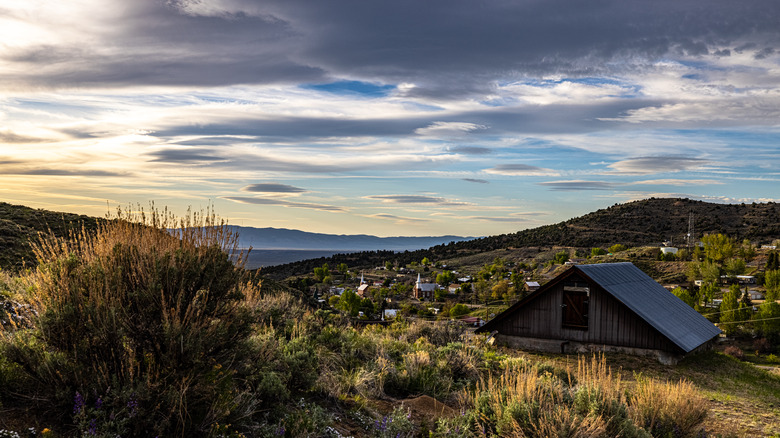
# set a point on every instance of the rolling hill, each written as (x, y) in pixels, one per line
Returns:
(637, 223)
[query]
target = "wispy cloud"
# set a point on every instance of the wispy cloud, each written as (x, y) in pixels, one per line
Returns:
(679, 182)
(577, 185)
(520, 170)
(273, 188)
(661, 164)
(283, 203)
(416, 199)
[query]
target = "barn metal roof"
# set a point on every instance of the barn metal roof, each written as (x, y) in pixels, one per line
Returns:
(652, 302)
(674, 319)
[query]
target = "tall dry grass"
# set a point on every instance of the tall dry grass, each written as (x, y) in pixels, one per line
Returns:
(668, 408)
(531, 400)
(148, 305)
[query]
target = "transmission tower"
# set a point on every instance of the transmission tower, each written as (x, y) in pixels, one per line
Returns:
(690, 240)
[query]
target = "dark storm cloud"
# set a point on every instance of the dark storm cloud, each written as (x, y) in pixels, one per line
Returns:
(445, 47)
(577, 185)
(273, 188)
(476, 180)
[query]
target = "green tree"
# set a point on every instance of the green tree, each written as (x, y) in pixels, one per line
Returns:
(561, 257)
(342, 268)
(425, 261)
(768, 321)
(773, 261)
(389, 265)
(747, 250)
(321, 272)
(500, 290)
(618, 247)
(730, 314)
(710, 273)
(684, 295)
(718, 247)
(698, 254)
(482, 290)
(734, 266)
(350, 303)
(459, 310)
(445, 278)
(708, 292)
(772, 285)
(597, 252)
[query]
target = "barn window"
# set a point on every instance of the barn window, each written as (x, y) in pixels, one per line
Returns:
(576, 297)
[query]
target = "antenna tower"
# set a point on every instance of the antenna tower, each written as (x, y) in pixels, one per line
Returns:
(691, 237)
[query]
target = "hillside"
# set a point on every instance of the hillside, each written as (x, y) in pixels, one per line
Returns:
(20, 225)
(637, 223)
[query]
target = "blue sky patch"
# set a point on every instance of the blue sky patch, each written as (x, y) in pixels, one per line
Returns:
(352, 88)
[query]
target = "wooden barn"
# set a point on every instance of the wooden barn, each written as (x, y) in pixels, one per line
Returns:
(604, 307)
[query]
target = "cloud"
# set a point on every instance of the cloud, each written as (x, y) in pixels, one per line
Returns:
(661, 164)
(20, 167)
(397, 219)
(577, 185)
(517, 169)
(416, 199)
(7, 136)
(476, 180)
(283, 203)
(186, 155)
(448, 129)
(273, 188)
(224, 42)
(470, 150)
(679, 182)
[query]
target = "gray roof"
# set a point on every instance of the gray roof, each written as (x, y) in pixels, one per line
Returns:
(657, 306)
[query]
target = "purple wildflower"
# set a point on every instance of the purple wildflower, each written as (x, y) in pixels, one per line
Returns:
(99, 403)
(280, 432)
(78, 403)
(92, 427)
(132, 404)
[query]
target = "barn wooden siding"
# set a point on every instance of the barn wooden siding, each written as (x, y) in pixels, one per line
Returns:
(610, 322)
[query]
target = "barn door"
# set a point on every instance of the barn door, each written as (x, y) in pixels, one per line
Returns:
(575, 309)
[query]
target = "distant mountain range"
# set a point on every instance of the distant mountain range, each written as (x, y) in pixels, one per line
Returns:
(286, 239)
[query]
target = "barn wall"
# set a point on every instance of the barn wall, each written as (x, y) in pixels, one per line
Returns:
(609, 322)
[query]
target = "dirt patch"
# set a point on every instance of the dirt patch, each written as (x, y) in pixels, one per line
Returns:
(428, 408)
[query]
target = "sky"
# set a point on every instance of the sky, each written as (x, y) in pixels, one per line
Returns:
(391, 118)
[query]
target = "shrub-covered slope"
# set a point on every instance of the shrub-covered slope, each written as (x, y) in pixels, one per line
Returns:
(638, 223)
(20, 225)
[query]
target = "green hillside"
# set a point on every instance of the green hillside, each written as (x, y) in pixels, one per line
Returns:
(20, 225)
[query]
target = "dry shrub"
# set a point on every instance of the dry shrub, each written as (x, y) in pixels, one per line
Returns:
(762, 346)
(148, 305)
(734, 351)
(668, 409)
